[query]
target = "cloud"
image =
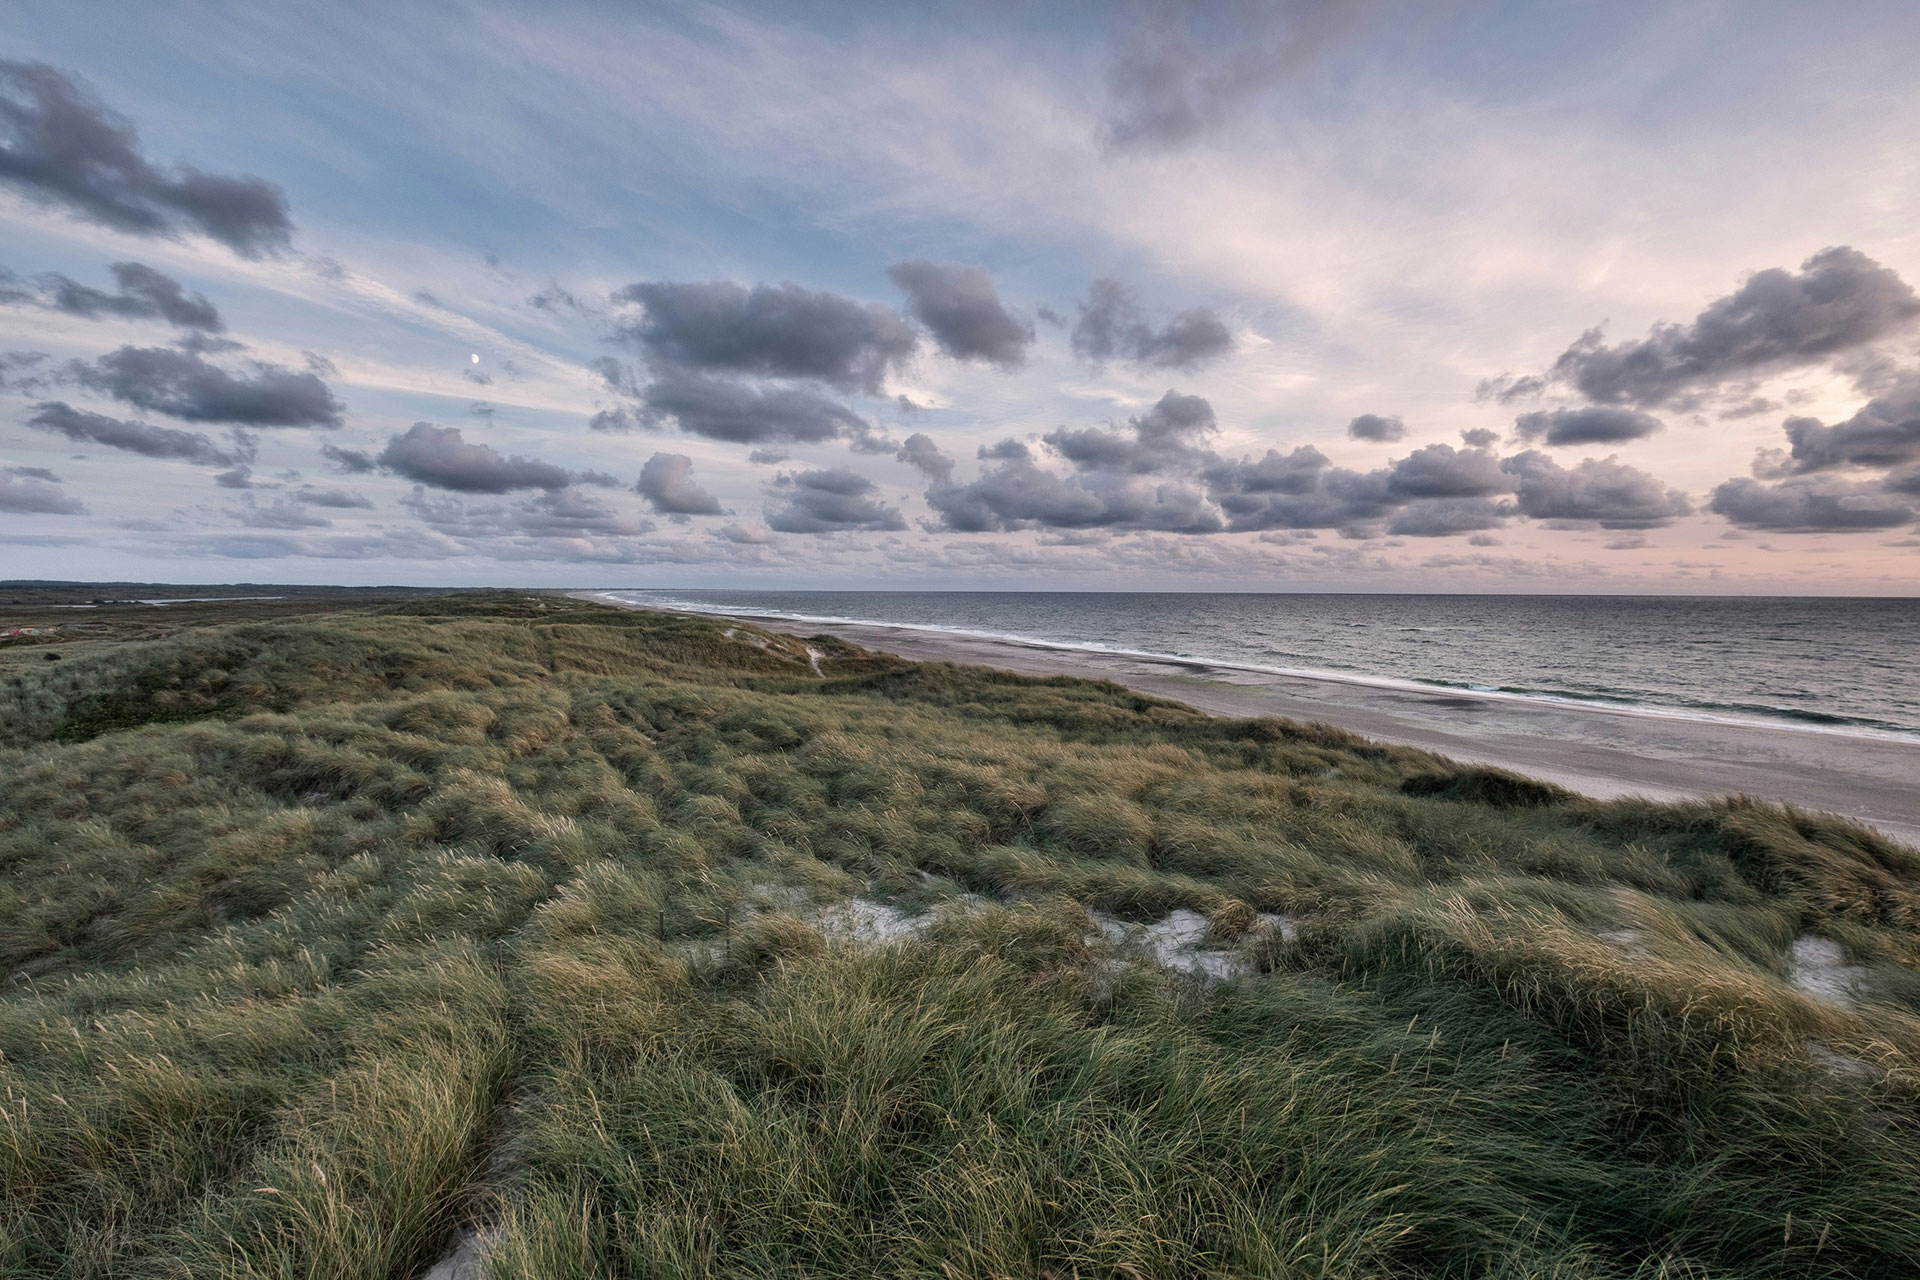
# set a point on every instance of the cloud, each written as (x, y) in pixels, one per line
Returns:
(1166, 436)
(1594, 424)
(240, 477)
(1111, 326)
(60, 146)
(746, 535)
(1441, 517)
(1186, 68)
(184, 385)
(1441, 471)
(922, 453)
(565, 514)
(666, 482)
(1014, 493)
(742, 413)
(1479, 437)
(1604, 492)
(135, 437)
(1808, 504)
(145, 294)
(281, 513)
(32, 473)
(1371, 426)
(1299, 490)
(1840, 300)
(337, 498)
(780, 331)
(830, 501)
(439, 457)
(959, 306)
(1884, 433)
(24, 491)
(350, 460)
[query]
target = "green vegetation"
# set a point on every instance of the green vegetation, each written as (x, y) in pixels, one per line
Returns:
(326, 941)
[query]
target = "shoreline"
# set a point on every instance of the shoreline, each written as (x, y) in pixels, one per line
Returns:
(1598, 750)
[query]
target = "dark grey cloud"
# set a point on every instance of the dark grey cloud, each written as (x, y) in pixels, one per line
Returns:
(441, 458)
(1015, 493)
(341, 499)
(830, 501)
(1371, 426)
(1185, 68)
(1594, 424)
(1443, 517)
(1884, 433)
(241, 477)
(352, 460)
(22, 372)
(766, 457)
(144, 294)
(26, 493)
(960, 308)
(1442, 471)
(781, 331)
(743, 413)
(1809, 504)
(920, 452)
(1479, 437)
(60, 418)
(1167, 436)
(1839, 300)
(32, 473)
(1606, 492)
(666, 482)
(184, 385)
(1111, 326)
(1299, 490)
(60, 146)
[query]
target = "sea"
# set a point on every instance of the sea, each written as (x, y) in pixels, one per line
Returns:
(1849, 665)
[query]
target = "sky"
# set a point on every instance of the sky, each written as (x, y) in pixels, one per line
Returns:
(1326, 295)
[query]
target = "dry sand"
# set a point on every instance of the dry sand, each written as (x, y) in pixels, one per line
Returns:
(1601, 751)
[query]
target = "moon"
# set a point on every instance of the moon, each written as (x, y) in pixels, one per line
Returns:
(476, 357)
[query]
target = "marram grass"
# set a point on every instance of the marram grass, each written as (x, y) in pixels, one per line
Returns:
(330, 943)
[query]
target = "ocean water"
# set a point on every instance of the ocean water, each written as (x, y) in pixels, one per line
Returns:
(1841, 664)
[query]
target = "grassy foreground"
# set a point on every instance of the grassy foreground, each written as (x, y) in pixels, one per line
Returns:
(325, 941)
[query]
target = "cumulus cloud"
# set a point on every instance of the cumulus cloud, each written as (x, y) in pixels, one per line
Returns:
(1299, 490)
(1442, 471)
(28, 491)
(1809, 504)
(745, 535)
(666, 482)
(959, 306)
(441, 458)
(1111, 326)
(1442, 517)
(920, 452)
(742, 413)
(1594, 424)
(1605, 492)
(830, 501)
(1479, 437)
(1371, 426)
(134, 437)
(1015, 493)
(337, 498)
(1838, 301)
(350, 460)
(1884, 433)
(1167, 435)
(60, 146)
(781, 331)
(143, 294)
(1184, 68)
(185, 385)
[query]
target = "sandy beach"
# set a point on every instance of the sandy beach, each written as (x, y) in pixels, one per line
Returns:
(1600, 751)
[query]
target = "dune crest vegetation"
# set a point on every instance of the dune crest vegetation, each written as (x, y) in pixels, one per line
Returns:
(330, 943)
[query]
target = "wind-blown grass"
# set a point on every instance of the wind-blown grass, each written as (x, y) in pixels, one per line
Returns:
(326, 942)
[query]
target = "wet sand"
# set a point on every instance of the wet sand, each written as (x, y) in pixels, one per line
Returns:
(1601, 751)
